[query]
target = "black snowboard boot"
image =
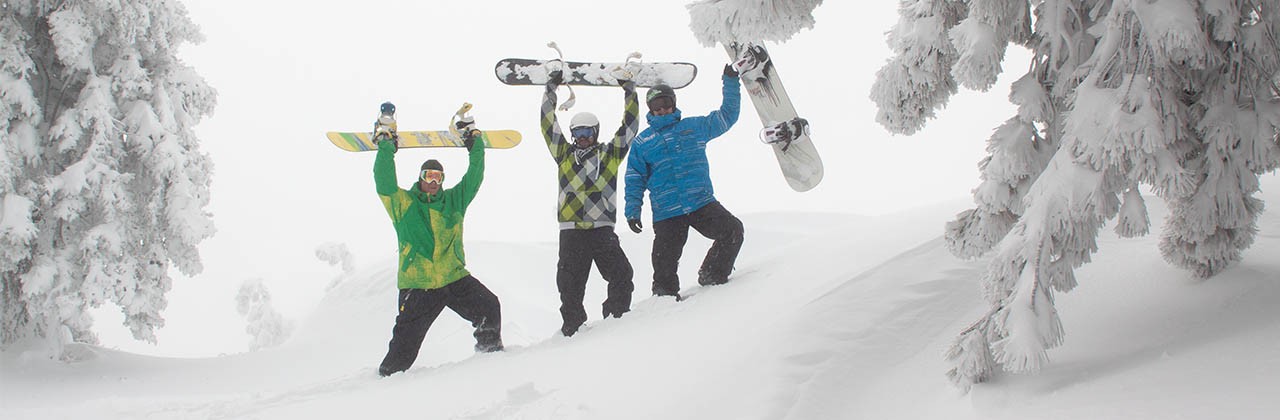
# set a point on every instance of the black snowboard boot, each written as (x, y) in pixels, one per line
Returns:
(708, 279)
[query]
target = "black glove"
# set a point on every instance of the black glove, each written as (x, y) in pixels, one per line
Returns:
(468, 131)
(730, 71)
(635, 225)
(555, 78)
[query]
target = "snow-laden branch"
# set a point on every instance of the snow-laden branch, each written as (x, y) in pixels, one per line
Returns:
(729, 21)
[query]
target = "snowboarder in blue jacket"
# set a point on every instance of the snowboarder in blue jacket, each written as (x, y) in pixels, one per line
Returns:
(669, 160)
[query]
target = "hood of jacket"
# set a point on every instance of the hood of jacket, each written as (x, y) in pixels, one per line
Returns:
(663, 121)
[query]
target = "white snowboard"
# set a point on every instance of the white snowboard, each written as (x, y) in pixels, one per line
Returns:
(800, 163)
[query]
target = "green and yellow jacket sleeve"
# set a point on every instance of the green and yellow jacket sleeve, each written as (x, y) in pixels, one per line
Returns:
(394, 200)
(469, 185)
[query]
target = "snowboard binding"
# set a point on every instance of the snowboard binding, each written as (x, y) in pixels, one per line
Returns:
(557, 65)
(385, 127)
(785, 132)
(462, 125)
(753, 62)
(628, 69)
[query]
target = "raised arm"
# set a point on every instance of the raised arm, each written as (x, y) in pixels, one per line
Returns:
(630, 119)
(550, 126)
(384, 180)
(719, 121)
(470, 183)
(384, 169)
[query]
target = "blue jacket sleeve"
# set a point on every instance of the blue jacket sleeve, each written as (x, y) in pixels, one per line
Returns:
(719, 121)
(637, 180)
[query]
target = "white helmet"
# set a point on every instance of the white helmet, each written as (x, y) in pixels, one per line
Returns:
(584, 119)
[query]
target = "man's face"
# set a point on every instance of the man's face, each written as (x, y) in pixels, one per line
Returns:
(430, 180)
(583, 137)
(662, 106)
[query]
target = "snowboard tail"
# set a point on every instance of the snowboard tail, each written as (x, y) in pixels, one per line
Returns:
(530, 72)
(363, 142)
(798, 158)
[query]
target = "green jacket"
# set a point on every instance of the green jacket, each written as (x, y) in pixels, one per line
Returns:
(428, 227)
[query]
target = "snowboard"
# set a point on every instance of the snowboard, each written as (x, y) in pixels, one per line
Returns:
(530, 72)
(798, 158)
(363, 142)
(386, 125)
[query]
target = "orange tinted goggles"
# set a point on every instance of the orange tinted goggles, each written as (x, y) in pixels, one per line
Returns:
(432, 175)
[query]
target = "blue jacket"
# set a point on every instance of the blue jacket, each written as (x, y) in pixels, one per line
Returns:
(669, 159)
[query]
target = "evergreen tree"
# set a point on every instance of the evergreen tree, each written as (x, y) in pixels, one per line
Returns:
(729, 21)
(103, 186)
(1178, 95)
(265, 325)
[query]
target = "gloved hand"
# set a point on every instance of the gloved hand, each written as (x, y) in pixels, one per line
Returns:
(467, 129)
(635, 225)
(385, 137)
(730, 71)
(555, 78)
(395, 147)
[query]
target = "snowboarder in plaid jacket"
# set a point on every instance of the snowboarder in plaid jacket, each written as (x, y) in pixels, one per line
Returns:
(588, 172)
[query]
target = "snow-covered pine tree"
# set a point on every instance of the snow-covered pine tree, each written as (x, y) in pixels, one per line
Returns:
(336, 253)
(103, 186)
(728, 21)
(265, 325)
(1177, 95)
(1237, 117)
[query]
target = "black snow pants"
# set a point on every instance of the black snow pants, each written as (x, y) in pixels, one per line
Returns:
(712, 221)
(578, 249)
(419, 308)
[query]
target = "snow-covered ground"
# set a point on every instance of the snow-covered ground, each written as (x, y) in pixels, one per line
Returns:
(828, 316)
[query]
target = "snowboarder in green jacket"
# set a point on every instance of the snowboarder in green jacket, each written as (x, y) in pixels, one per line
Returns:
(432, 271)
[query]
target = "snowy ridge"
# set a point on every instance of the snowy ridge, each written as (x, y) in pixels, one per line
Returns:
(729, 21)
(828, 316)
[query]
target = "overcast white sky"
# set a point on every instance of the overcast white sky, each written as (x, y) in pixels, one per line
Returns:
(287, 71)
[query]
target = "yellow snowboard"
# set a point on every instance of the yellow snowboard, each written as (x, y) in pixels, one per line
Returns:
(363, 142)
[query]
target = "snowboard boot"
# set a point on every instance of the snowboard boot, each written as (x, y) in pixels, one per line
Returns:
(666, 292)
(707, 279)
(614, 314)
(488, 340)
(570, 330)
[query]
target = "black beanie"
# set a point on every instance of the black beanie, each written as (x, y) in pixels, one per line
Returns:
(432, 164)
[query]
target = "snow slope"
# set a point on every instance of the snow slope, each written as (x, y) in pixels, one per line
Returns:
(828, 316)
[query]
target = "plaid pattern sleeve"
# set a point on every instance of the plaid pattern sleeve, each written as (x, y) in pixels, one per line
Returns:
(630, 122)
(551, 128)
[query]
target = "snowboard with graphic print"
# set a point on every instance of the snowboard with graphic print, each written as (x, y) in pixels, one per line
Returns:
(363, 142)
(531, 72)
(783, 127)
(385, 127)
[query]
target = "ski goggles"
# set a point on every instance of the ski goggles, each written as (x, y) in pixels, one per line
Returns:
(662, 102)
(432, 176)
(583, 132)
